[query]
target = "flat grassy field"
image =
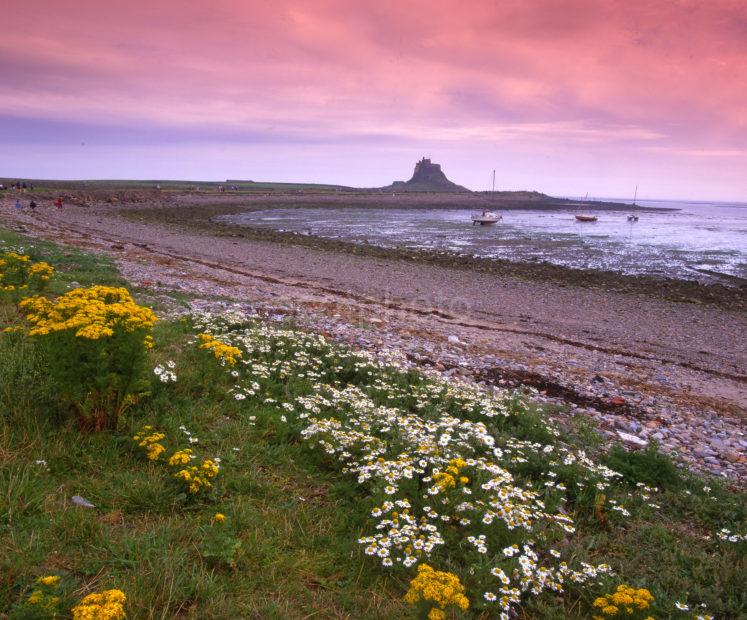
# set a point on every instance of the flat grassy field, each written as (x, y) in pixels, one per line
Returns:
(44, 185)
(332, 467)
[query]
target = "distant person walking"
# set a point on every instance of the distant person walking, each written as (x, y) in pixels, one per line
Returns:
(58, 202)
(18, 204)
(32, 204)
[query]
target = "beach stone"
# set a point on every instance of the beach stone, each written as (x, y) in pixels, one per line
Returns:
(454, 339)
(732, 456)
(622, 424)
(632, 440)
(78, 500)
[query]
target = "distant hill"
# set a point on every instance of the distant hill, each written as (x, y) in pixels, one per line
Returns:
(428, 177)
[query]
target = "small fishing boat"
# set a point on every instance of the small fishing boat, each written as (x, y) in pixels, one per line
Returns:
(586, 218)
(632, 217)
(486, 218)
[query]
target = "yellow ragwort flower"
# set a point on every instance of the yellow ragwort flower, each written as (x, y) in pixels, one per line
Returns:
(92, 313)
(221, 350)
(50, 580)
(107, 605)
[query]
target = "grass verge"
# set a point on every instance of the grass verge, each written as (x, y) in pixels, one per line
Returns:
(294, 511)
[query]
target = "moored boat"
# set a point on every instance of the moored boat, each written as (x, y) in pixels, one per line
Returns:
(487, 217)
(586, 218)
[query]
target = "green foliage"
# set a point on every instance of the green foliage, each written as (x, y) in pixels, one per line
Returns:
(94, 342)
(25, 383)
(220, 546)
(21, 276)
(648, 466)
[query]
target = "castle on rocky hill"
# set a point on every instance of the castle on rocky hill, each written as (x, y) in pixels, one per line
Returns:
(428, 177)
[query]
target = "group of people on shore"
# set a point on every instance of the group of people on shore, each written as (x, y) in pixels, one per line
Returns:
(19, 186)
(57, 203)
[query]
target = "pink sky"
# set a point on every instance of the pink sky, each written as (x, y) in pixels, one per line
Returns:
(565, 97)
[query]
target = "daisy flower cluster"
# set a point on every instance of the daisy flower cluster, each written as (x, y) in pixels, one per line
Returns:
(166, 373)
(726, 535)
(459, 476)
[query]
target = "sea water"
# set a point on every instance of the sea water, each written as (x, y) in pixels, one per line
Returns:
(688, 240)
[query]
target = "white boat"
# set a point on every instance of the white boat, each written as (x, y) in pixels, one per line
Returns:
(487, 217)
(586, 218)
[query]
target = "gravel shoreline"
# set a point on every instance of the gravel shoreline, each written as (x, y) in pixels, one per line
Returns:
(643, 368)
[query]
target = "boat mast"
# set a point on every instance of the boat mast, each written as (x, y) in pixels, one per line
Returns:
(635, 196)
(494, 181)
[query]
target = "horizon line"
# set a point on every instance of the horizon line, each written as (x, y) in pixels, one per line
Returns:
(353, 187)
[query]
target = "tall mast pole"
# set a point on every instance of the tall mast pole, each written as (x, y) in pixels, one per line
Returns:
(494, 181)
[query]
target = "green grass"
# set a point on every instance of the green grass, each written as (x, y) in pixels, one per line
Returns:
(75, 267)
(289, 546)
(298, 556)
(113, 185)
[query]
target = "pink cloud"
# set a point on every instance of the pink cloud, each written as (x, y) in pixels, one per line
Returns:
(549, 72)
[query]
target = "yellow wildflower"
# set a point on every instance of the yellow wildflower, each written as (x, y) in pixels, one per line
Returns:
(197, 479)
(107, 605)
(155, 450)
(51, 580)
(91, 313)
(150, 442)
(221, 350)
(625, 598)
(36, 597)
(438, 587)
(181, 457)
(219, 517)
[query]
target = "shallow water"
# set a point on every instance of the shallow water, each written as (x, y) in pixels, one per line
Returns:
(697, 236)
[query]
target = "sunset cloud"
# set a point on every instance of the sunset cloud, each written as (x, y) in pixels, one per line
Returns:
(635, 82)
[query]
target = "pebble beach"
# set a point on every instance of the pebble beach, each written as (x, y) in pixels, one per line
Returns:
(639, 368)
